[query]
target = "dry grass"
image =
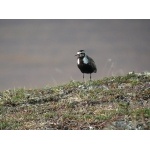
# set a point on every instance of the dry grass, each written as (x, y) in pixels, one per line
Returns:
(112, 103)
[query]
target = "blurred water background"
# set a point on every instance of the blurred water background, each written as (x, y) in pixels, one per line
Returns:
(39, 53)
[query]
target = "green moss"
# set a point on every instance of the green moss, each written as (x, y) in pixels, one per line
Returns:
(9, 124)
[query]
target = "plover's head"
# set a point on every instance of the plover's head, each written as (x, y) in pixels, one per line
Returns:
(80, 53)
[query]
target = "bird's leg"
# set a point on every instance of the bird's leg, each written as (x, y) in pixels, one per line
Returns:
(83, 77)
(90, 76)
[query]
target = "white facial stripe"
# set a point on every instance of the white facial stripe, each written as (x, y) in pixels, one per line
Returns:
(79, 53)
(78, 61)
(85, 60)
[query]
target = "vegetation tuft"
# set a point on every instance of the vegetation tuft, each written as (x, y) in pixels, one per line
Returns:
(121, 103)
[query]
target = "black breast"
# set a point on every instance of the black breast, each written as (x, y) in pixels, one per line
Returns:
(85, 68)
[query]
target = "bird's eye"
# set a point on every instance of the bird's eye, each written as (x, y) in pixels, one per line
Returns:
(81, 54)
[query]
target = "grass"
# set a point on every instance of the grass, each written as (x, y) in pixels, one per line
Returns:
(120, 103)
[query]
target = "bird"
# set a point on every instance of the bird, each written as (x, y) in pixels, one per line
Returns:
(85, 63)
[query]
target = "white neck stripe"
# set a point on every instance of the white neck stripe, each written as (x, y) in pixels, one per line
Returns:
(85, 60)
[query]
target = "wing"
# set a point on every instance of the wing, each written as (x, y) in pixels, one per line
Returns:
(92, 63)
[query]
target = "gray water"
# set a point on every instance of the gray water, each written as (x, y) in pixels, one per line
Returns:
(39, 53)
